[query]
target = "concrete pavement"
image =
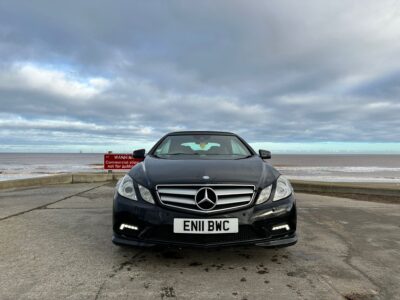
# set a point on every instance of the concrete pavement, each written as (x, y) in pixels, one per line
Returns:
(55, 243)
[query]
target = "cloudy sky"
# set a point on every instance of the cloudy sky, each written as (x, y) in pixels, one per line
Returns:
(291, 76)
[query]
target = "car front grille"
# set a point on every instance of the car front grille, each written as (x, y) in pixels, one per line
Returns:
(188, 197)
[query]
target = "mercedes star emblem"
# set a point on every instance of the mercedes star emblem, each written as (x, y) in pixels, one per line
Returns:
(206, 198)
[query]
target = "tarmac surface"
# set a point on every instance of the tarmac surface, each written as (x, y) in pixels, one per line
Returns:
(55, 243)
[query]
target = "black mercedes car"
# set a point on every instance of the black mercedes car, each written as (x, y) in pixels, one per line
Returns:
(203, 188)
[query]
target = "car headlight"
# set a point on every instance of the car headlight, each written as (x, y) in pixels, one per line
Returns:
(283, 188)
(146, 194)
(126, 188)
(264, 195)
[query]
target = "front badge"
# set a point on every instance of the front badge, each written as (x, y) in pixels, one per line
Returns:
(206, 198)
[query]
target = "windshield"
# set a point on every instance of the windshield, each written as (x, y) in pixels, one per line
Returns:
(202, 146)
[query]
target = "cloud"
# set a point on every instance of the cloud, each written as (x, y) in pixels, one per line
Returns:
(279, 71)
(28, 76)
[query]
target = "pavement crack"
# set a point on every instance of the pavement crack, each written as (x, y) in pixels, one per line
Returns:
(326, 281)
(347, 259)
(115, 271)
(128, 262)
(100, 289)
(319, 277)
(51, 203)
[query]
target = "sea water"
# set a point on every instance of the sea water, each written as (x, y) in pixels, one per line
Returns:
(332, 168)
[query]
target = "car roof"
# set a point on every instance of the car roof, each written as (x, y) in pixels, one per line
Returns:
(200, 132)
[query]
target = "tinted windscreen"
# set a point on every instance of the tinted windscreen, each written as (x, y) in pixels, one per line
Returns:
(205, 146)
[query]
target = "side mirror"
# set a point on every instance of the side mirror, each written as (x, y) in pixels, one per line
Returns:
(264, 154)
(139, 153)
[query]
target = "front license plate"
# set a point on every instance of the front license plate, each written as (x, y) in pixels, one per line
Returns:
(206, 226)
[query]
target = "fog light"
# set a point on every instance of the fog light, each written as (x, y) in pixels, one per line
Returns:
(279, 227)
(123, 226)
(276, 211)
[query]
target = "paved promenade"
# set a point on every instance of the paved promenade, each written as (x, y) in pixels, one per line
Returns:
(55, 243)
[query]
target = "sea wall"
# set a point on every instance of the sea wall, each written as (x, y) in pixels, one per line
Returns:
(363, 191)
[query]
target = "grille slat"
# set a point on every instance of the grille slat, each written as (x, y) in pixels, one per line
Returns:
(183, 191)
(227, 192)
(232, 200)
(178, 200)
(230, 196)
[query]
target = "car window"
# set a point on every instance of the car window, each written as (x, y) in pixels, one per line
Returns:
(164, 147)
(202, 146)
(237, 148)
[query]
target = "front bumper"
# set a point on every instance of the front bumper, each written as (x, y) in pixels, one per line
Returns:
(154, 225)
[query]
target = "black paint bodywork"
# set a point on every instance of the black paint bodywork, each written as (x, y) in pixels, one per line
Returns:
(155, 221)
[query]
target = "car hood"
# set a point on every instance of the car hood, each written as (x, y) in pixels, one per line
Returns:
(253, 170)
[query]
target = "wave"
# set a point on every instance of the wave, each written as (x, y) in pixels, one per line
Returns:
(10, 172)
(339, 169)
(309, 173)
(346, 179)
(342, 174)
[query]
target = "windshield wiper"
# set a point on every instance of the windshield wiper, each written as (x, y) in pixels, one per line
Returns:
(243, 157)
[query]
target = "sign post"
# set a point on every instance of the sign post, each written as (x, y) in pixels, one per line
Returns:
(109, 171)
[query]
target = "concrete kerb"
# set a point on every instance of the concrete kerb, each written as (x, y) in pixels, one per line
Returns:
(61, 179)
(38, 181)
(346, 188)
(392, 191)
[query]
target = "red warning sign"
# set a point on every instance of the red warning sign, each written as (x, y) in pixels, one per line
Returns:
(119, 161)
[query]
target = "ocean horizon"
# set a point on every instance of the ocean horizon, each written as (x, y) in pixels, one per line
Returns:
(380, 168)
